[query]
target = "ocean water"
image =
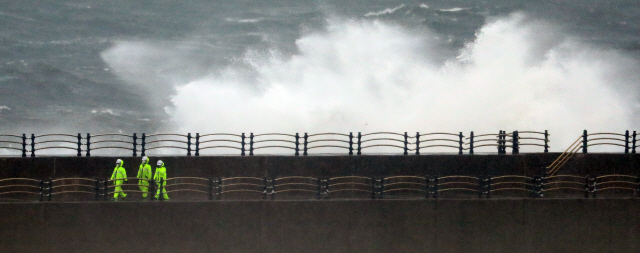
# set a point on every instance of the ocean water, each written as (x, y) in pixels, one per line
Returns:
(319, 66)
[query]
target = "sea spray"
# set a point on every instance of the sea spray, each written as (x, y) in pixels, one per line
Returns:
(518, 74)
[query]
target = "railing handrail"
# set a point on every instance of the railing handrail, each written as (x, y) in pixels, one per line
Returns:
(311, 135)
(111, 134)
(222, 134)
(277, 134)
(165, 134)
(65, 135)
(10, 135)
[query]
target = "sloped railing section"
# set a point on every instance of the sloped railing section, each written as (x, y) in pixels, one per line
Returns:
(624, 140)
(302, 143)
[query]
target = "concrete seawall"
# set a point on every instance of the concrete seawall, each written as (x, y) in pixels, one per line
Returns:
(229, 166)
(507, 225)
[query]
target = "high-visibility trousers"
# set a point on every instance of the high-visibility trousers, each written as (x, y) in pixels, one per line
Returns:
(118, 192)
(164, 193)
(144, 187)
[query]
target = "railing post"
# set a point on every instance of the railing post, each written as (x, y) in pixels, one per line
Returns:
(500, 142)
(326, 187)
(626, 142)
(427, 187)
(546, 141)
(374, 188)
(417, 143)
(406, 144)
(143, 143)
(97, 189)
(633, 146)
(306, 138)
(359, 144)
(161, 189)
(543, 182)
(88, 145)
(480, 186)
(323, 186)
(265, 188)
(24, 145)
(188, 144)
(434, 187)
(79, 145)
(33, 145)
(135, 144)
(487, 186)
(197, 144)
(350, 143)
(536, 186)
(41, 190)
(272, 186)
(219, 188)
(210, 188)
(105, 192)
(638, 189)
(153, 188)
(381, 187)
(503, 141)
(594, 187)
(242, 145)
(50, 188)
(251, 144)
(471, 143)
(297, 144)
(515, 147)
(586, 187)
(319, 189)
(460, 144)
(585, 142)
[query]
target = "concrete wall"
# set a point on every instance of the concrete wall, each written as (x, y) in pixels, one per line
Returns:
(522, 225)
(228, 166)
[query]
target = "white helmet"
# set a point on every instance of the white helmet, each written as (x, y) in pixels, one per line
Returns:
(118, 162)
(145, 159)
(160, 163)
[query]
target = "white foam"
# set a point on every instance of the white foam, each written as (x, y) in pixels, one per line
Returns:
(106, 111)
(4, 107)
(424, 6)
(456, 9)
(372, 76)
(248, 20)
(385, 11)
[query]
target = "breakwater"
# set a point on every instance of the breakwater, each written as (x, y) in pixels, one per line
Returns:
(507, 225)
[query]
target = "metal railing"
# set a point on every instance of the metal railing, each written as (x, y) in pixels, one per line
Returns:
(296, 187)
(303, 144)
(623, 140)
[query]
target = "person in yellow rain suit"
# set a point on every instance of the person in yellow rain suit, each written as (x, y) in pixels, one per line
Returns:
(144, 175)
(119, 175)
(161, 173)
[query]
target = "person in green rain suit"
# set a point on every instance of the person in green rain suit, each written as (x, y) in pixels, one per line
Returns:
(161, 173)
(119, 175)
(144, 174)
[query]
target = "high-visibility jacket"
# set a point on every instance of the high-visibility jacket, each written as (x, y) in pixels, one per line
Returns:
(144, 172)
(118, 173)
(161, 173)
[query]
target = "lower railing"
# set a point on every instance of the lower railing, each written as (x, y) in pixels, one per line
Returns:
(307, 187)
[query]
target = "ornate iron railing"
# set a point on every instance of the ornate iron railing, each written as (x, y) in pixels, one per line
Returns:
(296, 187)
(298, 143)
